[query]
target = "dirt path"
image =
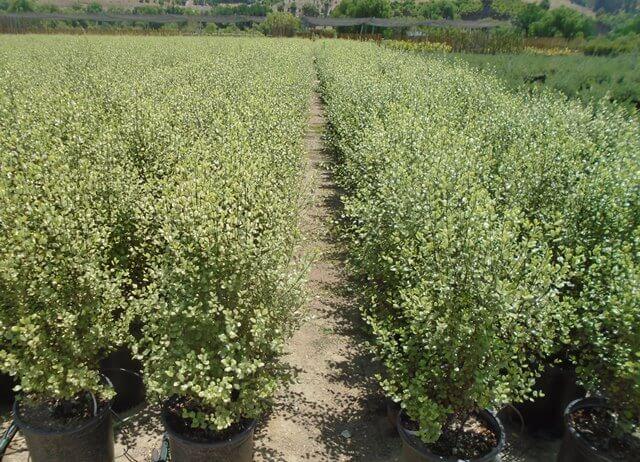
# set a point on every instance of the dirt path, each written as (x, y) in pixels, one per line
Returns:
(334, 412)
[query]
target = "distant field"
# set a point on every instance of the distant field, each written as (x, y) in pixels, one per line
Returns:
(586, 77)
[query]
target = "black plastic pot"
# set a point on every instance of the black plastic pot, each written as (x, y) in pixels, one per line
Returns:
(129, 388)
(91, 442)
(7, 395)
(122, 358)
(414, 450)
(545, 414)
(238, 448)
(575, 448)
(393, 409)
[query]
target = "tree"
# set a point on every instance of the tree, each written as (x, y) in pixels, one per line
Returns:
(280, 24)
(563, 22)
(404, 8)
(530, 14)
(310, 9)
(439, 9)
(363, 9)
(94, 7)
(21, 6)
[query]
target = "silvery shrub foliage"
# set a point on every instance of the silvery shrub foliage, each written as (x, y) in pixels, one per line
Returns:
(151, 187)
(493, 231)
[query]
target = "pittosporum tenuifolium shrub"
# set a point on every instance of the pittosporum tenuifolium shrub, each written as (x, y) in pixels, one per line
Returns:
(152, 182)
(472, 216)
(223, 288)
(68, 195)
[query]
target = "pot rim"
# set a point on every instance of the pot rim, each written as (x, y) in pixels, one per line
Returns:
(94, 421)
(589, 402)
(491, 418)
(235, 440)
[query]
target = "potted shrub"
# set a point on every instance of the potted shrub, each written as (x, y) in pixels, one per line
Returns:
(606, 330)
(222, 297)
(461, 285)
(605, 426)
(66, 204)
(62, 306)
(457, 342)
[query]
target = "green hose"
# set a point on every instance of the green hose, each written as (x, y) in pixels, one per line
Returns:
(7, 437)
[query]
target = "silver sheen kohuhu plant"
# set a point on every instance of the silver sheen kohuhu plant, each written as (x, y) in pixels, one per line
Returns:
(223, 288)
(461, 216)
(65, 203)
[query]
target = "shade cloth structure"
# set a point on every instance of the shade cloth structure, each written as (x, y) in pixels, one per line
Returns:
(231, 19)
(157, 18)
(403, 22)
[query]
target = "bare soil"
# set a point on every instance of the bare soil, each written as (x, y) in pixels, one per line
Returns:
(334, 411)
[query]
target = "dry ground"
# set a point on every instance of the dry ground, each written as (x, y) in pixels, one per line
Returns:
(335, 411)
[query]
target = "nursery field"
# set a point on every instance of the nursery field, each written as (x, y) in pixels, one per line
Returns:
(589, 78)
(287, 250)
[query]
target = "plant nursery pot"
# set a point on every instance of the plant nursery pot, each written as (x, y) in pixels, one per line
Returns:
(574, 447)
(122, 358)
(129, 388)
(393, 409)
(545, 414)
(238, 448)
(91, 442)
(414, 450)
(7, 395)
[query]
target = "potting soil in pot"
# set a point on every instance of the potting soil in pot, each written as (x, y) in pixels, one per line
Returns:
(60, 415)
(183, 427)
(462, 437)
(596, 426)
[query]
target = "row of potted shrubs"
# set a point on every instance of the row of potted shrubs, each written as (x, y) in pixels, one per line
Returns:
(497, 236)
(149, 197)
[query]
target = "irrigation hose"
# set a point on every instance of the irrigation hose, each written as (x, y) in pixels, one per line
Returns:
(163, 456)
(6, 438)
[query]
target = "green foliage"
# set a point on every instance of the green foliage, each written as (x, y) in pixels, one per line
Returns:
(492, 230)
(528, 15)
(280, 24)
(588, 78)
(418, 47)
(622, 23)
(606, 46)
(156, 181)
(497, 40)
(438, 9)
(563, 22)
(66, 209)
(211, 29)
(362, 9)
(94, 7)
(21, 6)
(220, 303)
(310, 9)
(508, 8)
